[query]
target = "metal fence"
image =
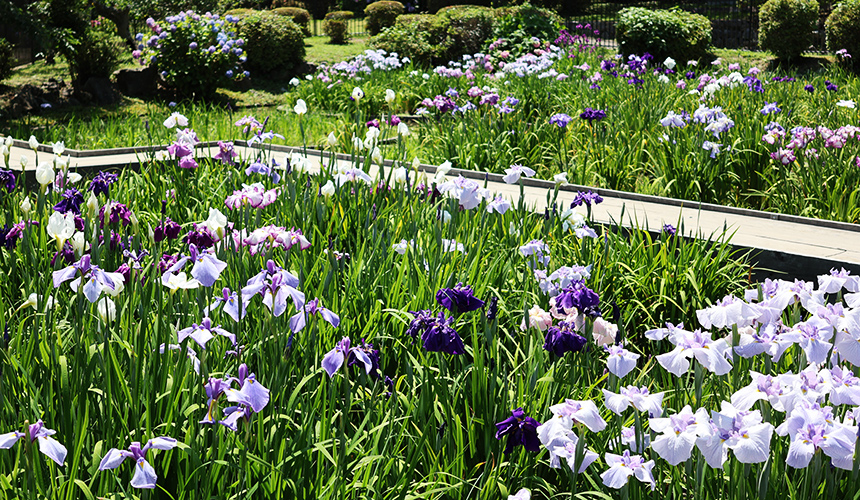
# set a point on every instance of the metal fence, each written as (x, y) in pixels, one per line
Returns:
(355, 27)
(734, 22)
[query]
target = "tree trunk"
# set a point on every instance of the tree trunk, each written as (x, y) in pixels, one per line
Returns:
(120, 18)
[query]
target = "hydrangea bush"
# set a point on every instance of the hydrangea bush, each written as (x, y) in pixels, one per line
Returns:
(195, 54)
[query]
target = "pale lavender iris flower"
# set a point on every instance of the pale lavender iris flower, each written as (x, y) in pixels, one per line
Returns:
(144, 474)
(49, 446)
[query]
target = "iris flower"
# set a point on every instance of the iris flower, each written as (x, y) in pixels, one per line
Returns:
(621, 467)
(204, 332)
(335, 358)
(620, 361)
(639, 397)
(743, 432)
(49, 446)
(144, 473)
(436, 332)
(513, 174)
(94, 279)
(206, 269)
(275, 284)
(521, 431)
(313, 307)
(678, 434)
(459, 299)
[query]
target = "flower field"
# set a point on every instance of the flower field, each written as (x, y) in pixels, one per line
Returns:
(266, 325)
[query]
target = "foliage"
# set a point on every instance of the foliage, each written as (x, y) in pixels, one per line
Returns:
(335, 26)
(273, 43)
(663, 33)
(381, 15)
(519, 25)
(99, 52)
(299, 16)
(467, 28)
(7, 59)
(417, 36)
(239, 13)
(786, 26)
(841, 28)
(194, 54)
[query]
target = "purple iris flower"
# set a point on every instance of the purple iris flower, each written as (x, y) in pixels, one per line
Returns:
(562, 339)
(521, 431)
(94, 279)
(373, 123)
(7, 179)
(275, 284)
(207, 267)
(809, 88)
(251, 393)
(436, 332)
(258, 167)
(167, 230)
(830, 86)
(204, 332)
(230, 301)
(200, 236)
(372, 354)
(460, 299)
(770, 107)
(592, 115)
(226, 153)
(579, 297)
(669, 229)
(215, 387)
(144, 474)
(313, 307)
(49, 446)
(179, 150)
(334, 359)
(116, 213)
(101, 183)
(561, 120)
(71, 202)
(586, 198)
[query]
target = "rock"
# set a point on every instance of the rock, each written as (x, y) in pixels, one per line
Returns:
(142, 82)
(27, 100)
(52, 89)
(102, 91)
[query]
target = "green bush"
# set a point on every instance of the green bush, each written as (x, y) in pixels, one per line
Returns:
(417, 36)
(299, 16)
(6, 59)
(842, 28)
(381, 15)
(336, 27)
(273, 43)
(98, 53)
(663, 33)
(467, 28)
(785, 26)
(240, 13)
(518, 25)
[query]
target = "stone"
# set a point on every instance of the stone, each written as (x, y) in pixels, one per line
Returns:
(139, 82)
(102, 91)
(27, 100)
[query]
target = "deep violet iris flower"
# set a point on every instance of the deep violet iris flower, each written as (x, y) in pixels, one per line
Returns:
(521, 431)
(459, 299)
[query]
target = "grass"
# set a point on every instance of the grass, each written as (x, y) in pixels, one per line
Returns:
(320, 51)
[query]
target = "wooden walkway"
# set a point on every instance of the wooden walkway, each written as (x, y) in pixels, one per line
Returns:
(790, 246)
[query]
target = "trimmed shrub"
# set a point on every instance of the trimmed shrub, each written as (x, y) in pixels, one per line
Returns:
(299, 16)
(518, 25)
(663, 33)
(380, 15)
(843, 28)
(277, 4)
(417, 36)
(273, 43)
(467, 29)
(98, 53)
(448, 8)
(785, 26)
(6, 59)
(239, 13)
(336, 27)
